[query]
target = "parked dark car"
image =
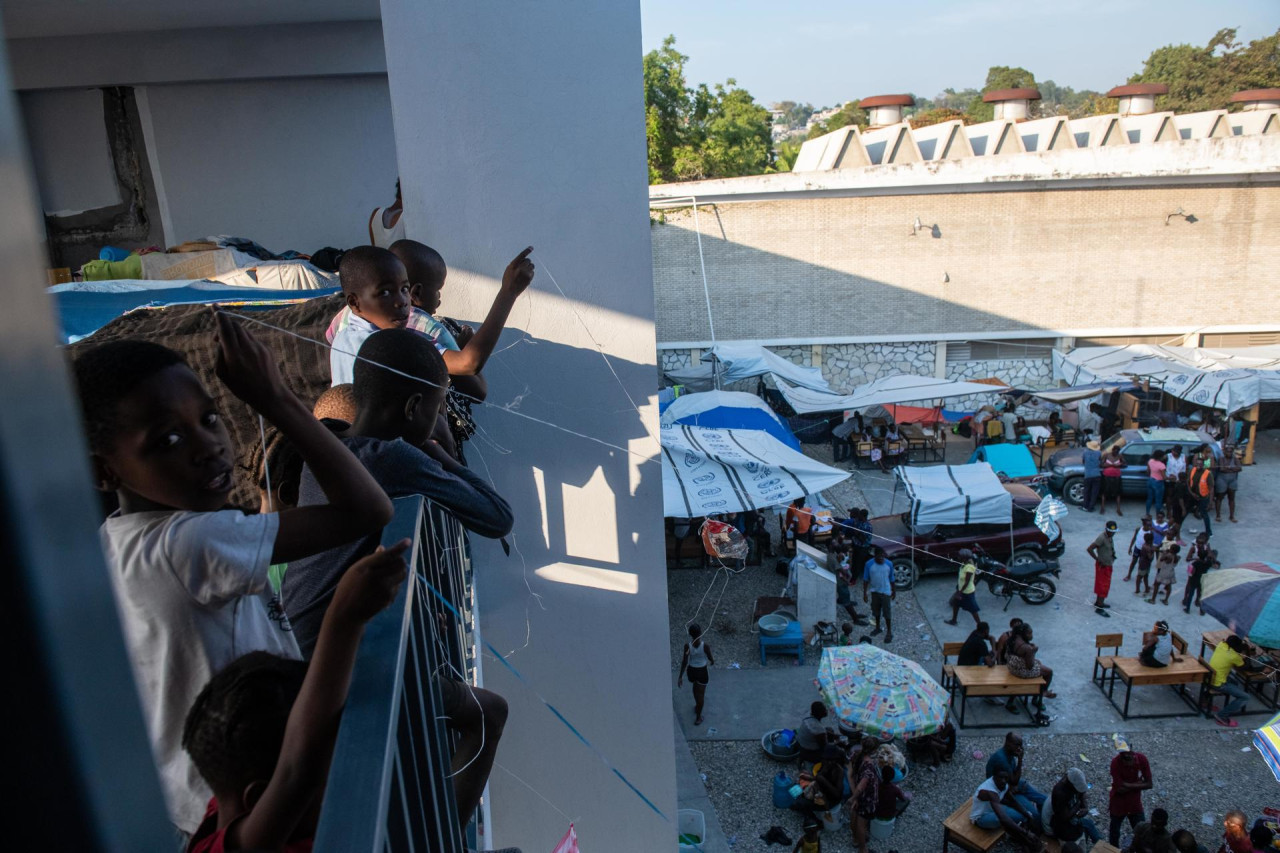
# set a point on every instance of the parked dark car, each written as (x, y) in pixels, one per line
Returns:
(936, 546)
(1066, 467)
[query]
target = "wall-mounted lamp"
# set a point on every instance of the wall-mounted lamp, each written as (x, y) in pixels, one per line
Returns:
(918, 226)
(945, 278)
(1189, 217)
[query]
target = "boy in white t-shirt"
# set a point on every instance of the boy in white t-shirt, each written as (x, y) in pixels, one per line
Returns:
(191, 577)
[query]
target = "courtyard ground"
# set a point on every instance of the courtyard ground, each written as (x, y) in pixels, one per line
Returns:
(1201, 771)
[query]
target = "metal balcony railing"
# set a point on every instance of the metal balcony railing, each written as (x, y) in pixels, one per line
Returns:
(389, 787)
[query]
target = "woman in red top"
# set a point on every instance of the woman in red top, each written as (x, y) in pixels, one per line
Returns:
(1112, 467)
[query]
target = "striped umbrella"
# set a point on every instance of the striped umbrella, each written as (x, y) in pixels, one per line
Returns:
(1246, 598)
(878, 692)
(1267, 741)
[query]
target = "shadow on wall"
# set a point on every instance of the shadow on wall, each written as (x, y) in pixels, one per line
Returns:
(568, 487)
(953, 279)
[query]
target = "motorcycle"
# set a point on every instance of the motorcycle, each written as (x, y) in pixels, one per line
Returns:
(1030, 581)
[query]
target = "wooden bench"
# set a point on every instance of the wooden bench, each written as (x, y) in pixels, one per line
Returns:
(1132, 672)
(992, 681)
(960, 831)
(1255, 680)
(1102, 663)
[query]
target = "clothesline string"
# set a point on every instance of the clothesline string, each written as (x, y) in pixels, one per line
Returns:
(575, 433)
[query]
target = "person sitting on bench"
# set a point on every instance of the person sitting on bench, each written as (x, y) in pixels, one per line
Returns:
(1157, 646)
(995, 808)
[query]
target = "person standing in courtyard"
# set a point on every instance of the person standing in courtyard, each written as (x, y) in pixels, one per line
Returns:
(1103, 552)
(1200, 489)
(1166, 574)
(1092, 459)
(877, 579)
(1155, 481)
(1135, 544)
(1130, 776)
(697, 662)
(1225, 481)
(1112, 470)
(1199, 568)
(966, 594)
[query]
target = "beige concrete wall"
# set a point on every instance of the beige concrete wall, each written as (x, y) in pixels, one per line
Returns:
(1082, 259)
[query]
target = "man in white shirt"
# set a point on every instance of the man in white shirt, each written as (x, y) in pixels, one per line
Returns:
(994, 807)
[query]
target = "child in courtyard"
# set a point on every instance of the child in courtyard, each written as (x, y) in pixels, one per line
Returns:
(1166, 571)
(190, 577)
(1146, 556)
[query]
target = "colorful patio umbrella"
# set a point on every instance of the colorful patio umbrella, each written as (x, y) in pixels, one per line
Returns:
(877, 691)
(1267, 741)
(1246, 598)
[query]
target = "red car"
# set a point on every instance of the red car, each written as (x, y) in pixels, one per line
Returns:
(936, 546)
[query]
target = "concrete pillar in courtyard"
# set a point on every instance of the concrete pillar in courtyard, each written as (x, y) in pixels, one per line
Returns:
(516, 125)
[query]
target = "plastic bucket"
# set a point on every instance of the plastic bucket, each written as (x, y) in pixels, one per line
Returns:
(690, 824)
(882, 829)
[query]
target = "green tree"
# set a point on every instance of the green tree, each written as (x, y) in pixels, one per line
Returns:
(784, 158)
(665, 103)
(1205, 78)
(998, 77)
(696, 133)
(937, 115)
(849, 114)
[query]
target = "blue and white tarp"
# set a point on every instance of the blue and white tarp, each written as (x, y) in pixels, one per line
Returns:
(956, 494)
(743, 361)
(1226, 379)
(706, 471)
(885, 391)
(85, 307)
(728, 410)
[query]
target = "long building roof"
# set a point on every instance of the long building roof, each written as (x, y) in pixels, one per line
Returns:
(1210, 145)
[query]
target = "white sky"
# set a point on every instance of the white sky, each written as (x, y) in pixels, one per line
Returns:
(830, 51)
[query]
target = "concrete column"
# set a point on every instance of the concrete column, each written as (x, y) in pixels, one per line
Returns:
(940, 360)
(520, 125)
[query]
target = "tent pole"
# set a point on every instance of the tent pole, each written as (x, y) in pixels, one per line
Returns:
(1254, 414)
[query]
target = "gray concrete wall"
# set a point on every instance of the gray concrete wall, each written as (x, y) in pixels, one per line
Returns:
(497, 152)
(70, 154)
(291, 163)
(802, 267)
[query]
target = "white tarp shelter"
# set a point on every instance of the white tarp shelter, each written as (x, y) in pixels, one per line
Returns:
(956, 494)
(708, 471)
(1226, 379)
(743, 361)
(888, 390)
(690, 405)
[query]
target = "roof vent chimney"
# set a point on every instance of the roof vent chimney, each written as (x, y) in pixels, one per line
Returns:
(1012, 104)
(884, 110)
(1257, 99)
(1138, 99)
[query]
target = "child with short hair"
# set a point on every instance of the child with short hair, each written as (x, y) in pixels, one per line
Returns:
(190, 577)
(262, 731)
(1146, 555)
(396, 411)
(1166, 568)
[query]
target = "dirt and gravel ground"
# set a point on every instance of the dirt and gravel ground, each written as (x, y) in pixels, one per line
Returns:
(1198, 776)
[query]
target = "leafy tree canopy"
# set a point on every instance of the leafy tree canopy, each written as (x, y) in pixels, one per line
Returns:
(1205, 78)
(699, 132)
